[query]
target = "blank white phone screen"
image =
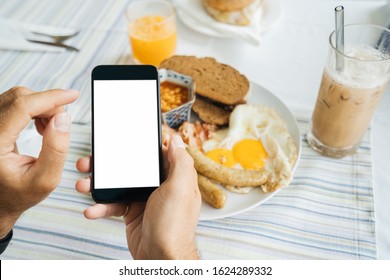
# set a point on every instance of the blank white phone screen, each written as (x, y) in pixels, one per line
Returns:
(126, 147)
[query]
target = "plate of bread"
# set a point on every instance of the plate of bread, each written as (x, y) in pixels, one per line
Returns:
(244, 140)
(227, 18)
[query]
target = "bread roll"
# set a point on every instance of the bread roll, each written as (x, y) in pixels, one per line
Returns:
(235, 12)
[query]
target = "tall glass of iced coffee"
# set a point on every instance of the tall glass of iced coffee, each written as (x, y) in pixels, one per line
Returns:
(349, 95)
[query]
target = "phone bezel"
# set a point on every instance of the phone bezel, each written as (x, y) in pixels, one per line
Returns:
(124, 72)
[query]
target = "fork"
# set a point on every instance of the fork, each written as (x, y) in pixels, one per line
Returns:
(57, 38)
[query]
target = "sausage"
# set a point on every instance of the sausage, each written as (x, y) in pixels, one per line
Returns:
(211, 193)
(226, 175)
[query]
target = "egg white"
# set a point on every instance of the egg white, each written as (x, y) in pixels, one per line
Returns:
(262, 123)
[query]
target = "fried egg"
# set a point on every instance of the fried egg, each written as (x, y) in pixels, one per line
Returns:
(256, 139)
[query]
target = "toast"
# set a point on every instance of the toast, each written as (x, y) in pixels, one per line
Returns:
(216, 81)
(210, 113)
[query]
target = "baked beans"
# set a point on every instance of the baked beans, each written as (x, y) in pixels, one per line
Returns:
(172, 96)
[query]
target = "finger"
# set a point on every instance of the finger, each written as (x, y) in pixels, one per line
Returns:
(41, 122)
(20, 108)
(16, 150)
(84, 164)
(134, 211)
(165, 161)
(47, 169)
(40, 103)
(181, 164)
(45, 121)
(39, 125)
(20, 90)
(84, 185)
(105, 210)
(48, 114)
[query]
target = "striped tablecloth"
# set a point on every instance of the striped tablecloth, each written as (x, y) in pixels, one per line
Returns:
(326, 213)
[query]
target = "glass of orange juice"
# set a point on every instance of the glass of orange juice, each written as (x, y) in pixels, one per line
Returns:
(152, 30)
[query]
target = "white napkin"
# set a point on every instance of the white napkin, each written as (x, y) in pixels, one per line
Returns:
(13, 36)
(193, 12)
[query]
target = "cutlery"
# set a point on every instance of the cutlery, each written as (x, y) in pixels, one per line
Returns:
(54, 44)
(57, 38)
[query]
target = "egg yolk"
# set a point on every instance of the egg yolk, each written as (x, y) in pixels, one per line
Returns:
(222, 156)
(250, 153)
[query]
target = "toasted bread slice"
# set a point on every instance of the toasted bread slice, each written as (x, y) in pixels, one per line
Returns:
(216, 81)
(210, 113)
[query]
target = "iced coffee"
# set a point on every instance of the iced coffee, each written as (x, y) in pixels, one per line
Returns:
(348, 97)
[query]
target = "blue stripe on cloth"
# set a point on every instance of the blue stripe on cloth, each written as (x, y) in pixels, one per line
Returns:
(295, 197)
(312, 232)
(278, 237)
(70, 237)
(39, 245)
(313, 212)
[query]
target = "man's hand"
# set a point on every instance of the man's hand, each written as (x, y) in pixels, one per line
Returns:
(24, 180)
(164, 227)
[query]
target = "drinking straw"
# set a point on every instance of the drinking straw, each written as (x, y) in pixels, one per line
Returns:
(339, 22)
(383, 43)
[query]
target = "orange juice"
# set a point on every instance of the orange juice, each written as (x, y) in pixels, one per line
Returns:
(153, 39)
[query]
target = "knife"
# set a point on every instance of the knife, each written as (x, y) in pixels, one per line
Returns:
(54, 44)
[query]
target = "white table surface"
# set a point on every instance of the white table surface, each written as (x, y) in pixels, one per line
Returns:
(289, 62)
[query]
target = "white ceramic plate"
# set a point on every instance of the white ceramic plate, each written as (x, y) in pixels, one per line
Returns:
(271, 12)
(237, 203)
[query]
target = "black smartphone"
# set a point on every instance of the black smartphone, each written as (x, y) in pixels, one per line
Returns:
(126, 133)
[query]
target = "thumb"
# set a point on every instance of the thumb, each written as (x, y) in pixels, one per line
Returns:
(55, 146)
(181, 164)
